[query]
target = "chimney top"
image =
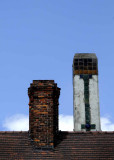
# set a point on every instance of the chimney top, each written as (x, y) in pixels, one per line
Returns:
(85, 63)
(85, 55)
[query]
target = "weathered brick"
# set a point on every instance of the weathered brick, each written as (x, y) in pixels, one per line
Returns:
(43, 112)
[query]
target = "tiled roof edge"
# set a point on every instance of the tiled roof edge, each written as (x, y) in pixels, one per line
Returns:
(14, 132)
(88, 132)
(72, 132)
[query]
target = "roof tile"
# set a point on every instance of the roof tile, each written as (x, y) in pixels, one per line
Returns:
(70, 146)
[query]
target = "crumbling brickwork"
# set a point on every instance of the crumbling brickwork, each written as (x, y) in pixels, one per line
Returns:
(43, 112)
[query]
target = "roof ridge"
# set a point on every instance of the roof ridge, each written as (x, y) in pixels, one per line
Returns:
(75, 132)
(14, 131)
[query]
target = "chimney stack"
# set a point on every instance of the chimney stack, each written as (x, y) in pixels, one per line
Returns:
(43, 112)
(86, 92)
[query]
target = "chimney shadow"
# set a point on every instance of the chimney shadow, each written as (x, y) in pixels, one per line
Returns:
(62, 135)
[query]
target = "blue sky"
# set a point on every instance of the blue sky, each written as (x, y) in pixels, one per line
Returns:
(38, 40)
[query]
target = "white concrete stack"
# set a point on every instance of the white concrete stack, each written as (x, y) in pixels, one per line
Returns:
(86, 92)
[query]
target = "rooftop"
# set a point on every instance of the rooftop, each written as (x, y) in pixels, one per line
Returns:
(70, 146)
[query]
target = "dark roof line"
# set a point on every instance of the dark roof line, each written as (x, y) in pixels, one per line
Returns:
(76, 132)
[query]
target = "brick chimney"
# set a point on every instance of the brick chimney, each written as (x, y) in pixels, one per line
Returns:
(43, 112)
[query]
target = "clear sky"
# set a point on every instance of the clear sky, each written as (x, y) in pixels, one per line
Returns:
(38, 40)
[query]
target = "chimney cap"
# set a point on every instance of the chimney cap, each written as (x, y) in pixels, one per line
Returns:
(85, 63)
(85, 55)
